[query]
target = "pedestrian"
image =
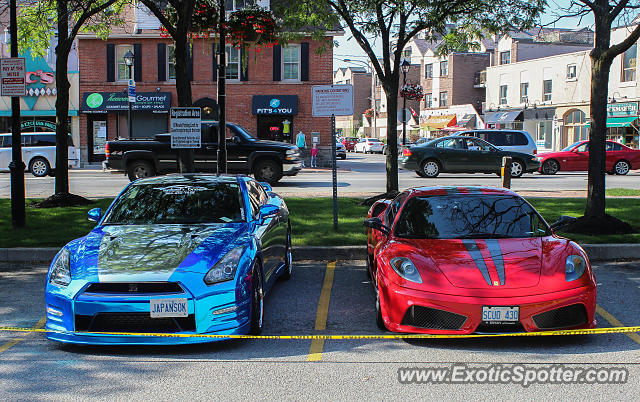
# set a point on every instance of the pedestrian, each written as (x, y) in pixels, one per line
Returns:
(314, 155)
(302, 144)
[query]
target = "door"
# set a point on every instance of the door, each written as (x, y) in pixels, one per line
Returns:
(482, 156)
(453, 154)
(578, 158)
(96, 137)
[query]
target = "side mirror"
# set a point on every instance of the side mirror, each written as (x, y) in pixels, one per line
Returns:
(268, 211)
(236, 139)
(562, 221)
(266, 186)
(94, 215)
(376, 224)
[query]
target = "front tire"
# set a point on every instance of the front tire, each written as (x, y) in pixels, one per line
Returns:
(39, 166)
(430, 168)
(622, 167)
(550, 166)
(420, 173)
(379, 319)
(288, 256)
(267, 170)
(257, 302)
(517, 168)
(139, 170)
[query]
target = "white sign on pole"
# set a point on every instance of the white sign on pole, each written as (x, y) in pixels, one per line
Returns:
(12, 76)
(404, 115)
(132, 91)
(185, 127)
(330, 100)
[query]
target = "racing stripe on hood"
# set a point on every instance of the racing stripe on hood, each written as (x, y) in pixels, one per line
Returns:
(496, 255)
(476, 255)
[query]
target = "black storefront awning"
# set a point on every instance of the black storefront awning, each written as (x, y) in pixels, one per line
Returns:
(104, 102)
(503, 117)
(539, 113)
(468, 120)
(274, 104)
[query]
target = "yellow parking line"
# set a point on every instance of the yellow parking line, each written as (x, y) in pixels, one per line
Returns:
(615, 322)
(315, 351)
(14, 342)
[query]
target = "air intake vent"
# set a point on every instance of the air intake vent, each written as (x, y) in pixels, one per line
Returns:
(431, 318)
(564, 317)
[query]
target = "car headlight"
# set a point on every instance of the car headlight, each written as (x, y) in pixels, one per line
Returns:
(574, 267)
(225, 269)
(405, 268)
(292, 154)
(61, 273)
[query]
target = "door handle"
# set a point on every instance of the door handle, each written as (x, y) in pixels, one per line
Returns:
(210, 147)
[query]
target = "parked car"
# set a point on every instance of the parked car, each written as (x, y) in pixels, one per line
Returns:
(509, 140)
(340, 151)
(267, 160)
(189, 254)
(38, 152)
(619, 158)
(456, 154)
(368, 146)
(452, 260)
(349, 143)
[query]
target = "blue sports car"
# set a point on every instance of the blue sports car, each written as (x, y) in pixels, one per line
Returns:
(188, 254)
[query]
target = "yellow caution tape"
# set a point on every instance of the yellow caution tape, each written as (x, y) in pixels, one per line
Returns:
(615, 330)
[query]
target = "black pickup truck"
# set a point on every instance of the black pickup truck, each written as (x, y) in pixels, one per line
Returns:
(266, 160)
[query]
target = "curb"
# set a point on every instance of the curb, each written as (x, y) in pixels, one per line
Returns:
(596, 252)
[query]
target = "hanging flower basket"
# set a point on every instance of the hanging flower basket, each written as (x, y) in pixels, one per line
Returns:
(252, 26)
(368, 113)
(412, 92)
(204, 20)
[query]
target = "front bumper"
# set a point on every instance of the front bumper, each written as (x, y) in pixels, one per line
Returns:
(396, 301)
(291, 169)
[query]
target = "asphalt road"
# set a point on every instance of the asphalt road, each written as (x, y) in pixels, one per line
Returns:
(358, 175)
(32, 368)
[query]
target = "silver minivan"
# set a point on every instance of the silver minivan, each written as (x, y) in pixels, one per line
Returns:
(38, 152)
(508, 140)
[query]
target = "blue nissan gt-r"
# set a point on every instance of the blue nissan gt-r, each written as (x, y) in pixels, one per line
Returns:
(188, 254)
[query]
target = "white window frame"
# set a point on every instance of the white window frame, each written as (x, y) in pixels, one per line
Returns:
(446, 99)
(428, 70)
(171, 62)
(572, 75)
(507, 59)
(228, 50)
(630, 69)
(546, 96)
(524, 96)
(235, 7)
(120, 61)
(428, 97)
(445, 63)
(282, 63)
(503, 99)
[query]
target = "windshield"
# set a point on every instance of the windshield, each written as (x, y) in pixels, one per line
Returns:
(571, 146)
(164, 203)
(473, 216)
(242, 131)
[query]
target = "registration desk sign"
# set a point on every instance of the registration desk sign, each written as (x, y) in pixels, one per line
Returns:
(12, 76)
(186, 129)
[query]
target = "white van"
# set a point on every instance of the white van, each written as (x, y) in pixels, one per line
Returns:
(38, 152)
(508, 140)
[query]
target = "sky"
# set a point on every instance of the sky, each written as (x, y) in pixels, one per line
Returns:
(348, 48)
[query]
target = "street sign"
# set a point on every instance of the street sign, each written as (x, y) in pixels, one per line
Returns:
(404, 117)
(332, 100)
(132, 91)
(186, 131)
(12, 76)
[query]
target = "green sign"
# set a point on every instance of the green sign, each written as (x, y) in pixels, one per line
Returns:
(29, 125)
(94, 100)
(622, 109)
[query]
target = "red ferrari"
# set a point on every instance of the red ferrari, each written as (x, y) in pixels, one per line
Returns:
(461, 260)
(575, 157)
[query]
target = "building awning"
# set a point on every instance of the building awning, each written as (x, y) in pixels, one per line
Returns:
(37, 113)
(503, 117)
(439, 122)
(618, 121)
(467, 121)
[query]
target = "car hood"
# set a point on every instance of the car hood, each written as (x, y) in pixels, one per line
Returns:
(153, 252)
(274, 144)
(479, 263)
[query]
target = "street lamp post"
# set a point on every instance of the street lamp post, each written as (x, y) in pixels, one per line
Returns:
(128, 60)
(405, 69)
(373, 91)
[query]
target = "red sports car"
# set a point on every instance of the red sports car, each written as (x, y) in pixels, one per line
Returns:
(575, 157)
(461, 260)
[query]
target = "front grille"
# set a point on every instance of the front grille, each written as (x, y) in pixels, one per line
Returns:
(431, 318)
(134, 322)
(563, 317)
(500, 328)
(134, 287)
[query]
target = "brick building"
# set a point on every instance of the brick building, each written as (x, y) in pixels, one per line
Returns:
(361, 81)
(269, 94)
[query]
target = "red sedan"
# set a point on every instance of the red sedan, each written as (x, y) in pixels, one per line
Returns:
(575, 157)
(349, 143)
(461, 260)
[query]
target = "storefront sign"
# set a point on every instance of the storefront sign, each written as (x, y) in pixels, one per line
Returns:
(274, 104)
(186, 129)
(332, 100)
(103, 102)
(622, 109)
(132, 91)
(31, 125)
(12, 76)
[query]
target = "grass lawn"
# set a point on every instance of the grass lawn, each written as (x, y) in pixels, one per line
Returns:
(622, 192)
(311, 219)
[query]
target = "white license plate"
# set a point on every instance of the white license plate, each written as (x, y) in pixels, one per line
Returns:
(168, 308)
(500, 314)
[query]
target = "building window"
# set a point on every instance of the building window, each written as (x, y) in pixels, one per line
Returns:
(544, 134)
(575, 126)
(571, 71)
(233, 5)
(444, 68)
(232, 69)
(629, 63)
(503, 94)
(505, 57)
(171, 61)
(546, 90)
(122, 70)
(291, 63)
(428, 70)
(407, 53)
(428, 102)
(348, 82)
(524, 92)
(443, 99)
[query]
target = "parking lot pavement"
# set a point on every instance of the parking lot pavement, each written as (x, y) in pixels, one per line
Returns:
(34, 368)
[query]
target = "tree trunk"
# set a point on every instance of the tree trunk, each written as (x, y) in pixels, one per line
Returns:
(62, 101)
(391, 92)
